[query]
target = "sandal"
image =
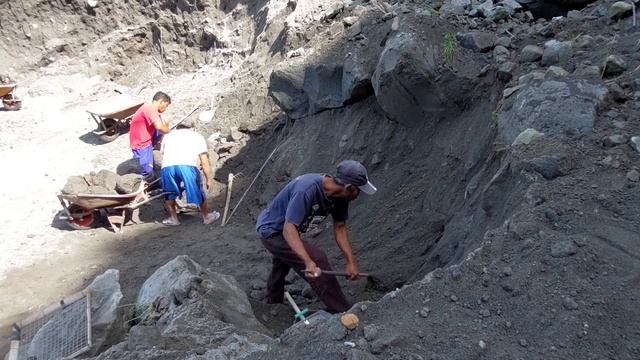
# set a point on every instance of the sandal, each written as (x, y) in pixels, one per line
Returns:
(170, 222)
(211, 217)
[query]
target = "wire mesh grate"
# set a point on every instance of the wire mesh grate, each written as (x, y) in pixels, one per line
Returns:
(58, 334)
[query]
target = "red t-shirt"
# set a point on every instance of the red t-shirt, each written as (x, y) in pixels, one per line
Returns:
(141, 130)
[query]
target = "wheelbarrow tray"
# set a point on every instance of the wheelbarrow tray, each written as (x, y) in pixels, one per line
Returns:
(101, 201)
(118, 110)
(6, 89)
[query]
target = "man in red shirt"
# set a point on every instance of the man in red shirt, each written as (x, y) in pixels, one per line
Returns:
(143, 128)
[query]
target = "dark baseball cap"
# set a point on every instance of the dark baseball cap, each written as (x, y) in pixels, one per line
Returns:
(354, 173)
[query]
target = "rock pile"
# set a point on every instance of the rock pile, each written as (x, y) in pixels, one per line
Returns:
(104, 182)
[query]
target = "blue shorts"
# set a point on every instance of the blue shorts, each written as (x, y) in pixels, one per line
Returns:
(190, 178)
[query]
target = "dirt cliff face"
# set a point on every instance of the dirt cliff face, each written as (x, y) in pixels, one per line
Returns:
(502, 146)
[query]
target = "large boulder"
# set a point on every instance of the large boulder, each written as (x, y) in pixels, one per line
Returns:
(552, 107)
(323, 87)
(404, 81)
(182, 279)
(356, 78)
(188, 312)
(286, 86)
(106, 319)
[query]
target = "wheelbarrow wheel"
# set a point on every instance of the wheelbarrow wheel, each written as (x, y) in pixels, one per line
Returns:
(11, 105)
(112, 132)
(82, 218)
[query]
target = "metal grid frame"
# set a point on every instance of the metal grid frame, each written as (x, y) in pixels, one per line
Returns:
(67, 333)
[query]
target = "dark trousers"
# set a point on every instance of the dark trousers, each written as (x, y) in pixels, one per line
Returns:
(326, 287)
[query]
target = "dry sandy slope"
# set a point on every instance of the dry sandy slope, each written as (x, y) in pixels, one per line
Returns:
(44, 143)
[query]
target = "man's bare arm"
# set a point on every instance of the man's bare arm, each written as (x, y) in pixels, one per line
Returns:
(206, 169)
(162, 126)
(341, 233)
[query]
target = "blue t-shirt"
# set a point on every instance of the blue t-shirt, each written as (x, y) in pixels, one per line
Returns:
(299, 201)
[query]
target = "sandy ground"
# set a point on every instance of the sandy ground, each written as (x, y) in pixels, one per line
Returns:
(48, 140)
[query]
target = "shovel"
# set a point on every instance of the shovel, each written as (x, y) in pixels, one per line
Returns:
(207, 115)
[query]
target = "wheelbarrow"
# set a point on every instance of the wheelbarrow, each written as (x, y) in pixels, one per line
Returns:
(9, 100)
(113, 114)
(79, 210)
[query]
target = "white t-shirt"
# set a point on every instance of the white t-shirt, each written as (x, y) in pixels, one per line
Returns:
(182, 147)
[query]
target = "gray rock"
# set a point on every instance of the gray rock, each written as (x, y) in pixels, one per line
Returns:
(485, 313)
(234, 134)
(356, 354)
(620, 9)
(356, 78)
(477, 40)
(556, 72)
(370, 332)
(574, 14)
(424, 312)
(175, 282)
(354, 30)
(75, 185)
(145, 337)
(286, 87)
(552, 107)
(404, 81)
(613, 140)
(106, 179)
(556, 52)
(349, 20)
(550, 166)
(614, 65)
(512, 6)
(634, 142)
(534, 76)
(523, 343)
(382, 343)
(486, 8)
(323, 86)
(531, 53)
(505, 71)
(527, 137)
(588, 71)
(106, 322)
(498, 13)
(584, 41)
(504, 41)
(501, 54)
(334, 9)
(128, 183)
(569, 303)
(616, 92)
(563, 248)
(455, 7)
(633, 175)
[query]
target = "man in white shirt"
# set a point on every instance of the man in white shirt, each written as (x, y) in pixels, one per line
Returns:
(184, 151)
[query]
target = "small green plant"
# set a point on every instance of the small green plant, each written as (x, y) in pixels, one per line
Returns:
(449, 47)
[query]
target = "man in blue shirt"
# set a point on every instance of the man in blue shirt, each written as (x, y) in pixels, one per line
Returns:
(289, 214)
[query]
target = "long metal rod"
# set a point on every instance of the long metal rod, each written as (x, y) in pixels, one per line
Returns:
(253, 181)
